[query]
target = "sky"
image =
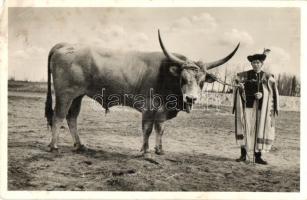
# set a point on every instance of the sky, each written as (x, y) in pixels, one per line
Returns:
(205, 34)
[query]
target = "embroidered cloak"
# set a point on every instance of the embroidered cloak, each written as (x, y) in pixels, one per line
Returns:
(268, 108)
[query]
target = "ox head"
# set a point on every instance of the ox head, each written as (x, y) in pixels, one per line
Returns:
(192, 75)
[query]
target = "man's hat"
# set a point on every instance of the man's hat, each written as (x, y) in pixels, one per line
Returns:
(260, 57)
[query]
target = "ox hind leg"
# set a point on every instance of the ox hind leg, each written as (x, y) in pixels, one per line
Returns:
(159, 128)
(71, 119)
(62, 104)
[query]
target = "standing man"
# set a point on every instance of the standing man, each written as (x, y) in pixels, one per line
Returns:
(255, 108)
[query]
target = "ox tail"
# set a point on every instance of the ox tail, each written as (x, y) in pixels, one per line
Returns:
(48, 103)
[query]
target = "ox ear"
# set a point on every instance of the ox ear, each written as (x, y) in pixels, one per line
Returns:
(174, 70)
(210, 78)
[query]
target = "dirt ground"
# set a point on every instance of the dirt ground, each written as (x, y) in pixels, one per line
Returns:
(200, 152)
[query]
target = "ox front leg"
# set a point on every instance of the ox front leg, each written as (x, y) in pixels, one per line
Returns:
(159, 128)
(147, 126)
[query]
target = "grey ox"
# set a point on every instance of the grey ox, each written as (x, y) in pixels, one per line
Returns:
(157, 84)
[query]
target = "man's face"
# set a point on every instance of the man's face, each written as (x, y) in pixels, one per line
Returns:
(257, 65)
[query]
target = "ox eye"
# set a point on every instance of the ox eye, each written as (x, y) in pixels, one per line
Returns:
(201, 84)
(184, 81)
(194, 70)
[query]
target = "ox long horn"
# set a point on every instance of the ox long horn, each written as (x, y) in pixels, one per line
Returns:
(214, 64)
(167, 54)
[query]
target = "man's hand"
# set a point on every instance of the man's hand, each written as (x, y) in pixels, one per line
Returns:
(258, 95)
(241, 85)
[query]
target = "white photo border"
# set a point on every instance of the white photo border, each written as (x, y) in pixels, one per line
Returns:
(5, 194)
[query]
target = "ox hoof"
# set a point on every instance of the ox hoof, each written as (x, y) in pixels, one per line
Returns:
(159, 151)
(147, 155)
(79, 148)
(53, 148)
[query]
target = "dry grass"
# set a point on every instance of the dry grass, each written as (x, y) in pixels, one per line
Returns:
(200, 153)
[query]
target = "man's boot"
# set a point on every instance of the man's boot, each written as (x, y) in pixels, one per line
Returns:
(259, 160)
(243, 155)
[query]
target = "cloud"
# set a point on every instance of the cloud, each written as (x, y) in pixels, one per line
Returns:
(141, 37)
(200, 23)
(234, 36)
(279, 54)
(30, 52)
(117, 37)
(112, 32)
(28, 62)
(279, 61)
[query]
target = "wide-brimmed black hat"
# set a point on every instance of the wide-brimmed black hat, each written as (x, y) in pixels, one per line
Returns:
(260, 57)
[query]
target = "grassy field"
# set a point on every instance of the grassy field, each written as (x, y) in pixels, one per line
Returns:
(200, 152)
